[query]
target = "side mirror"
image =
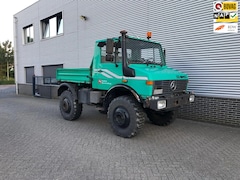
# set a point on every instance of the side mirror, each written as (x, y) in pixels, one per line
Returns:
(109, 47)
(109, 57)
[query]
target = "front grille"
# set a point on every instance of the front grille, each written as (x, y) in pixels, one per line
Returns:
(181, 86)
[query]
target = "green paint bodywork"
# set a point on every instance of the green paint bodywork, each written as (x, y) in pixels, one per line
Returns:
(76, 75)
(106, 75)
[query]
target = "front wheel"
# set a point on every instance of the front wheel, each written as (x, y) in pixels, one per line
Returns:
(126, 116)
(161, 118)
(69, 108)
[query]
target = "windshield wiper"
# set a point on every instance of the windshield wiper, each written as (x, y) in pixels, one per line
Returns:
(144, 61)
(149, 61)
(135, 61)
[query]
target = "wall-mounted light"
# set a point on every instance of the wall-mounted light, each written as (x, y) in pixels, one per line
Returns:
(84, 18)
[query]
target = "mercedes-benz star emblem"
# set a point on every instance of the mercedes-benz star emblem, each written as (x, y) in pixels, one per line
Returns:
(173, 85)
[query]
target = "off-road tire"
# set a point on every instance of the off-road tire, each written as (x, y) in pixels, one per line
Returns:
(161, 118)
(69, 108)
(126, 116)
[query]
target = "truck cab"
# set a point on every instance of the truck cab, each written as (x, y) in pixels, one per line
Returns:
(130, 81)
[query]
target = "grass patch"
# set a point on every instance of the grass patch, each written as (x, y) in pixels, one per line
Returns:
(5, 82)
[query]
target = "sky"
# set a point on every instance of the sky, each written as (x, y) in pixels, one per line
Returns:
(7, 9)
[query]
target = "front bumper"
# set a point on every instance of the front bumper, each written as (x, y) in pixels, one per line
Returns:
(167, 103)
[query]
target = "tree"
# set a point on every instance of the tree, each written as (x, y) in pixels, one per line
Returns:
(6, 59)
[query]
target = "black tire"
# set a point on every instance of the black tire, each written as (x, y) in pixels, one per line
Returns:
(126, 116)
(161, 118)
(69, 108)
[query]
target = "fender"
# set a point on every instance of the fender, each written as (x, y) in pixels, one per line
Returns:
(137, 97)
(68, 86)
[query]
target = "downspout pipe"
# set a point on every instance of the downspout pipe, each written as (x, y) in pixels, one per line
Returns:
(15, 21)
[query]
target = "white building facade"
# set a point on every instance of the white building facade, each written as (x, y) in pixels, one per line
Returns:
(61, 33)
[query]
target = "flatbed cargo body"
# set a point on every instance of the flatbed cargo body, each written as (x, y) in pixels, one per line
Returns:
(74, 75)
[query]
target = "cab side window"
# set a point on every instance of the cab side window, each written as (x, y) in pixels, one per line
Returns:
(116, 55)
(103, 54)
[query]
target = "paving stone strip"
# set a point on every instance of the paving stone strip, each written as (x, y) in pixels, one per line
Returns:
(36, 143)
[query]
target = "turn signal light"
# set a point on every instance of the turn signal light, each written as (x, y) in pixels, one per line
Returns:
(150, 83)
(124, 80)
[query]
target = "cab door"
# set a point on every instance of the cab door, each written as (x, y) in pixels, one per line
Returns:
(107, 73)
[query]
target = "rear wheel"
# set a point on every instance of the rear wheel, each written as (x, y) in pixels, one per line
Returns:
(126, 116)
(69, 108)
(161, 118)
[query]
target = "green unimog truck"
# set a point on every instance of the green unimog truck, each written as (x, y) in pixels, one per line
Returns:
(129, 80)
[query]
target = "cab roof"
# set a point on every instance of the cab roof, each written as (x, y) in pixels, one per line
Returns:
(130, 37)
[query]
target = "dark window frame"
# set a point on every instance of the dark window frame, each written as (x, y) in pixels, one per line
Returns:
(47, 27)
(28, 34)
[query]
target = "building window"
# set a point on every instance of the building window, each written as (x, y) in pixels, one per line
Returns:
(29, 74)
(28, 34)
(49, 73)
(52, 26)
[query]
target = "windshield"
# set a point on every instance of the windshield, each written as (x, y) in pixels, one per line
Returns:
(143, 52)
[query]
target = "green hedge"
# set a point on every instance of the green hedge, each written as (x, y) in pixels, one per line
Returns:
(4, 82)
